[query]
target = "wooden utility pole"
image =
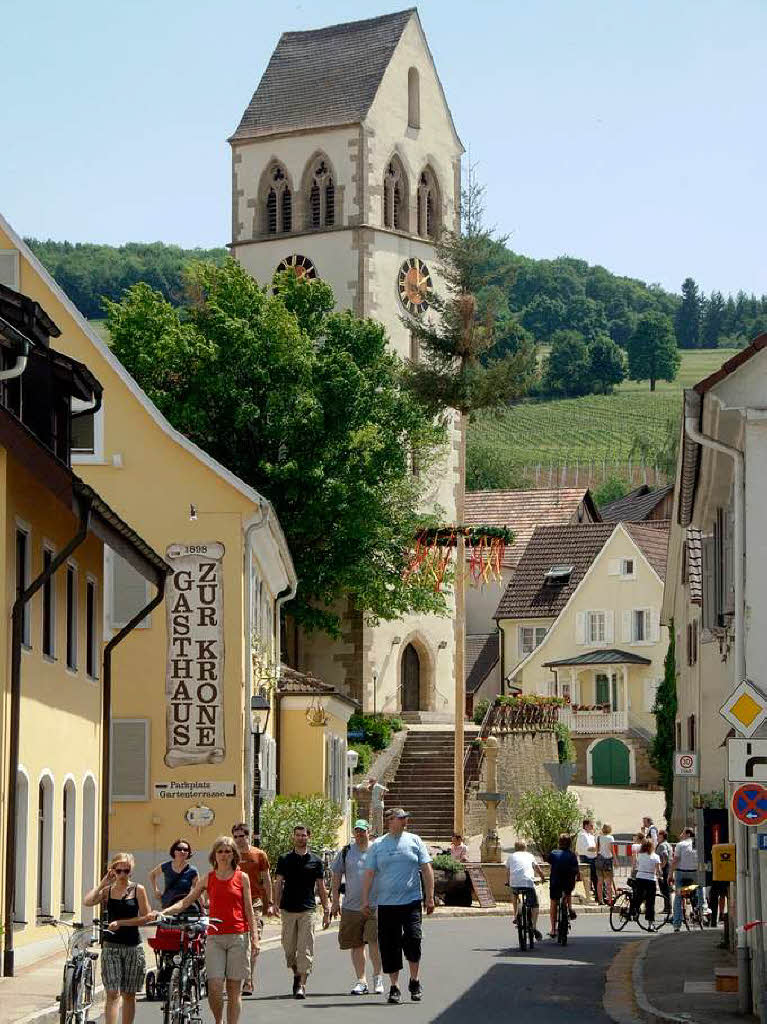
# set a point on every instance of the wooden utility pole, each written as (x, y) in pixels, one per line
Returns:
(460, 634)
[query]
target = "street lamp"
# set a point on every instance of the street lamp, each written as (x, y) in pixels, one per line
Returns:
(260, 706)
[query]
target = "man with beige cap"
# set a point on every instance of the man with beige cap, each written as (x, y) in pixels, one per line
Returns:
(398, 863)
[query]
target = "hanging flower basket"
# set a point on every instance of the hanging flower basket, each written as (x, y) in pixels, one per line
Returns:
(316, 714)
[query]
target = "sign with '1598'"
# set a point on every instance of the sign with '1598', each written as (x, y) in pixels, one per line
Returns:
(194, 674)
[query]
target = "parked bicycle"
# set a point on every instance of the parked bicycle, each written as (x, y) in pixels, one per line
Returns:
(692, 907)
(188, 981)
(623, 910)
(78, 983)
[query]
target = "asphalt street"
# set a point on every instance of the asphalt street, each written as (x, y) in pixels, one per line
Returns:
(471, 970)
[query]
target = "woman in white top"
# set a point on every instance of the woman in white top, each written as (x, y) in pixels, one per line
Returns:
(648, 870)
(635, 847)
(604, 865)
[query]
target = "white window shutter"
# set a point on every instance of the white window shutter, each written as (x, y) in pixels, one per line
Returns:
(580, 627)
(520, 641)
(614, 567)
(9, 268)
(129, 592)
(654, 617)
(129, 759)
(650, 689)
(609, 627)
(627, 631)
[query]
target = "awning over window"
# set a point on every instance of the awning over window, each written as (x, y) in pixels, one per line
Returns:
(611, 656)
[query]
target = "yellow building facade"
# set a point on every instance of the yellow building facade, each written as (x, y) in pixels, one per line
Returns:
(52, 712)
(183, 740)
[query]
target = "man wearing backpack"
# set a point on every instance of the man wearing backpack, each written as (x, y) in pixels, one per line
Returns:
(356, 930)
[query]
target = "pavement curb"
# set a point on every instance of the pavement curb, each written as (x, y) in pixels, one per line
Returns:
(649, 1013)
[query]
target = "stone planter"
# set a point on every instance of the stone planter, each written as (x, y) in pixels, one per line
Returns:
(453, 887)
(562, 774)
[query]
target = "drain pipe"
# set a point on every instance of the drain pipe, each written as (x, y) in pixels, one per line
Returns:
(17, 637)
(741, 846)
(249, 751)
(282, 598)
(106, 714)
(21, 361)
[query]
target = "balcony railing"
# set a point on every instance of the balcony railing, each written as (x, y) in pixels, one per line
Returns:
(580, 722)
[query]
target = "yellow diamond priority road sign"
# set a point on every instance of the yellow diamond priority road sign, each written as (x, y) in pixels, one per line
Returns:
(745, 708)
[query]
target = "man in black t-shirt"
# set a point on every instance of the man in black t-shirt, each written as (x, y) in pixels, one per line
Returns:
(297, 875)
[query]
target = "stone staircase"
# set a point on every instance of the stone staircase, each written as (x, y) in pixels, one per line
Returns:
(423, 784)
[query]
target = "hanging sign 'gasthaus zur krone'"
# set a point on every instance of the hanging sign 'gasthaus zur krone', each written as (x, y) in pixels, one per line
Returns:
(194, 676)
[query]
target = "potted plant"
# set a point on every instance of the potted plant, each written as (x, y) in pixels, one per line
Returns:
(450, 880)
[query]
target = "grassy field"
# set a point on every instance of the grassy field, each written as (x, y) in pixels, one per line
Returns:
(596, 433)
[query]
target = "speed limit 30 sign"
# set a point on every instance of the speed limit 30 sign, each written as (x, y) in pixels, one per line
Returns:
(685, 763)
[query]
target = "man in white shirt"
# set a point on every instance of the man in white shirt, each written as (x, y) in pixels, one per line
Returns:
(523, 867)
(586, 848)
(650, 829)
(684, 871)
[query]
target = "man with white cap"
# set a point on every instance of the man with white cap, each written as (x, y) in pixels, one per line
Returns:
(356, 929)
(397, 863)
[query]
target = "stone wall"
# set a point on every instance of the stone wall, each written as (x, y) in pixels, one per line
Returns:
(383, 768)
(521, 760)
(643, 772)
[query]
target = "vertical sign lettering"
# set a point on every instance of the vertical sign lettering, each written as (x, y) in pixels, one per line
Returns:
(194, 676)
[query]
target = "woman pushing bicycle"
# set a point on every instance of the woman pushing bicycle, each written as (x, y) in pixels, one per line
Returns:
(227, 951)
(125, 907)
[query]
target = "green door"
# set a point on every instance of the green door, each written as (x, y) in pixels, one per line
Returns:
(610, 764)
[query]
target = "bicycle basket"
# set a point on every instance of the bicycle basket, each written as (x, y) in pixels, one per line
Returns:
(166, 940)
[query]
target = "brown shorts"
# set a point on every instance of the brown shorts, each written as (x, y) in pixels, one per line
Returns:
(356, 930)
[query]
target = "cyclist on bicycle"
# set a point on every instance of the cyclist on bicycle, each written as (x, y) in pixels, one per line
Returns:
(565, 872)
(684, 871)
(523, 867)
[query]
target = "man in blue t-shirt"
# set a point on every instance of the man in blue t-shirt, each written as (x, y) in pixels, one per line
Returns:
(398, 862)
(565, 872)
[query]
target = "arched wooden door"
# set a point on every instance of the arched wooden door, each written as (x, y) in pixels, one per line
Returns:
(610, 764)
(411, 679)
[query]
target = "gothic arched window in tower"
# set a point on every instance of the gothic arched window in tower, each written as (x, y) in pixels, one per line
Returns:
(428, 204)
(395, 196)
(322, 197)
(278, 206)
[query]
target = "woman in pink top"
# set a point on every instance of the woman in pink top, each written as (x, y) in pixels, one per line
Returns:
(227, 951)
(458, 849)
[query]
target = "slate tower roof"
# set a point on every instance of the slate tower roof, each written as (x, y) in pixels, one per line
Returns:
(323, 77)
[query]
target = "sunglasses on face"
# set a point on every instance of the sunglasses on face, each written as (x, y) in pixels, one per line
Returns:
(182, 849)
(240, 835)
(121, 871)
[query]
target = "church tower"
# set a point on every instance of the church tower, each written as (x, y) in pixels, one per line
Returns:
(345, 166)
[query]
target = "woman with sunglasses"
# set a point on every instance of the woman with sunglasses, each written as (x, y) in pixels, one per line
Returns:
(125, 907)
(178, 874)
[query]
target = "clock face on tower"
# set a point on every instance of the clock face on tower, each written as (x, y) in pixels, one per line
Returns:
(414, 284)
(302, 266)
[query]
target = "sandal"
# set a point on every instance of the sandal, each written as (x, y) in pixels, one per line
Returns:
(247, 990)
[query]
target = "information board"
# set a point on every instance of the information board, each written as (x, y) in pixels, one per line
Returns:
(480, 885)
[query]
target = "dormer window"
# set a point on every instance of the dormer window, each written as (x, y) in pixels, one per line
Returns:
(558, 575)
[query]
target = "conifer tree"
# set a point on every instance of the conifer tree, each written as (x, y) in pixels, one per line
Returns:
(687, 320)
(713, 320)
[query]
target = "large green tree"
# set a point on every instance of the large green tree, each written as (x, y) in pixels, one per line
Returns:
(688, 315)
(307, 405)
(566, 370)
(607, 364)
(714, 320)
(652, 351)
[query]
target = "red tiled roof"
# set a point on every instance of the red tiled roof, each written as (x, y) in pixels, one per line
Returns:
(652, 540)
(523, 511)
(732, 364)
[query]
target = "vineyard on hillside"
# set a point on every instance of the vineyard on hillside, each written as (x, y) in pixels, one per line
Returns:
(581, 440)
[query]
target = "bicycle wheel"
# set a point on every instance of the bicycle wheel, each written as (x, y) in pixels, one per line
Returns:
(172, 1009)
(529, 926)
(662, 911)
(522, 927)
(563, 923)
(68, 996)
(84, 992)
(620, 912)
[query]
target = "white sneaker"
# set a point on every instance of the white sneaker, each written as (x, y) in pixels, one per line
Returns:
(379, 985)
(360, 989)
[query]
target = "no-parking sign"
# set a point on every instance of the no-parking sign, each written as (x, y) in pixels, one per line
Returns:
(749, 804)
(685, 763)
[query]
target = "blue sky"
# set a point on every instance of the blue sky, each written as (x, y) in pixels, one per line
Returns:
(626, 132)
